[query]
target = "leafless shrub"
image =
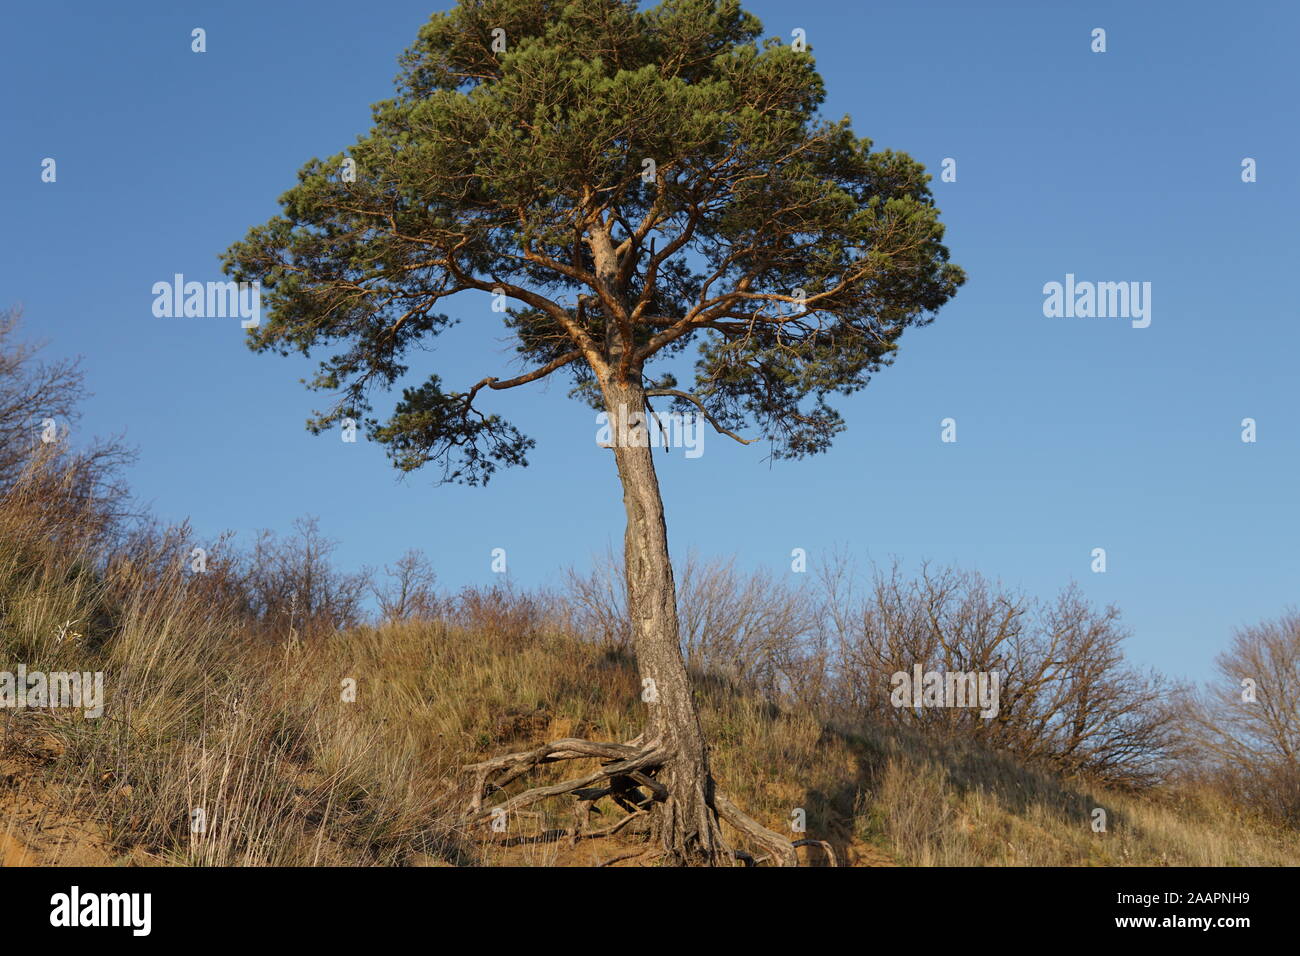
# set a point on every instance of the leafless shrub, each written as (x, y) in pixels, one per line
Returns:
(1066, 696)
(408, 591)
(31, 391)
(598, 602)
(74, 489)
(293, 587)
(502, 611)
(753, 627)
(1249, 749)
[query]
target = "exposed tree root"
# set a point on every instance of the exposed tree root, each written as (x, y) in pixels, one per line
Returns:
(628, 779)
(826, 847)
(780, 850)
(634, 855)
(515, 765)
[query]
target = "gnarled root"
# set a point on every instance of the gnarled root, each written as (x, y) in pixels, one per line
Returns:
(512, 766)
(628, 779)
(780, 850)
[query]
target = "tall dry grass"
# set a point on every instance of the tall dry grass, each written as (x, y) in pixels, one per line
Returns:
(211, 709)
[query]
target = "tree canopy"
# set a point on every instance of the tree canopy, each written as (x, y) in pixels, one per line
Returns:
(628, 183)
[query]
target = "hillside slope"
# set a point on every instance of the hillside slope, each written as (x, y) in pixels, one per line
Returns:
(264, 744)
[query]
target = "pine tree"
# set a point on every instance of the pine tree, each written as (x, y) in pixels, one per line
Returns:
(631, 182)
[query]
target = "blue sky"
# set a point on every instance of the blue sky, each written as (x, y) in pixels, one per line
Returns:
(1072, 433)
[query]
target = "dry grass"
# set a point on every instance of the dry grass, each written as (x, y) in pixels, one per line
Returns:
(955, 807)
(288, 773)
(206, 712)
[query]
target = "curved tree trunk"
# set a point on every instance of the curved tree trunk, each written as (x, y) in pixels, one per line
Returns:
(686, 826)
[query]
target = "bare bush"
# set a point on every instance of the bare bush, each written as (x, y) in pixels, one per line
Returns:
(69, 492)
(294, 588)
(751, 627)
(598, 602)
(32, 392)
(1243, 729)
(502, 611)
(408, 592)
(1066, 696)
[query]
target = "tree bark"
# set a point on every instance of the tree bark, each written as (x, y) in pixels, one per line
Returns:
(686, 822)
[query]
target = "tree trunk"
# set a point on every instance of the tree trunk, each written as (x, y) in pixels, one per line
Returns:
(671, 750)
(686, 823)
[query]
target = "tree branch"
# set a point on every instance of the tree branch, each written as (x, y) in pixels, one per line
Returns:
(685, 396)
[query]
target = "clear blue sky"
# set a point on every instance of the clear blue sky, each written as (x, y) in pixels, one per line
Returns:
(1072, 433)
